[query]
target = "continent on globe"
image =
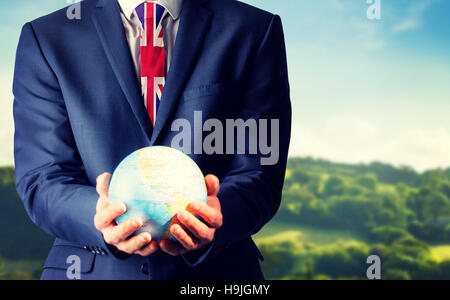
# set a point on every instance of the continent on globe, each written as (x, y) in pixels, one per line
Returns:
(155, 183)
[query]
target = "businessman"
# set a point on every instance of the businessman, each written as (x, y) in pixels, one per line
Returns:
(91, 90)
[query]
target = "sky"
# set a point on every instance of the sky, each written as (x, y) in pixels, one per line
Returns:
(362, 89)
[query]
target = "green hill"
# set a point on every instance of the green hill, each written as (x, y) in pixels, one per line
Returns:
(332, 217)
(23, 246)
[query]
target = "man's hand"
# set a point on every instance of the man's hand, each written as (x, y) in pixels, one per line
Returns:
(117, 235)
(202, 234)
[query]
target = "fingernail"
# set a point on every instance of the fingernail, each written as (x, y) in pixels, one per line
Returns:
(138, 222)
(123, 208)
(147, 237)
(153, 246)
(175, 230)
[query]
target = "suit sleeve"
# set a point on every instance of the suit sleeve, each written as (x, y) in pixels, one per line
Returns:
(50, 177)
(250, 193)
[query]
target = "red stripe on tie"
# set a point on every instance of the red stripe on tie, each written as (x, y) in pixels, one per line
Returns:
(152, 60)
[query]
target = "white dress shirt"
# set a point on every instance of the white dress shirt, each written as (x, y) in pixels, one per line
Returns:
(133, 28)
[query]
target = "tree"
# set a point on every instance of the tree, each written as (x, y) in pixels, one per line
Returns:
(369, 181)
(352, 212)
(417, 202)
(334, 186)
(445, 188)
(6, 175)
(2, 271)
(388, 234)
(20, 275)
(436, 205)
(402, 190)
(434, 178)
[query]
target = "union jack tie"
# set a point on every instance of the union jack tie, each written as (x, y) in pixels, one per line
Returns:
(152, 56)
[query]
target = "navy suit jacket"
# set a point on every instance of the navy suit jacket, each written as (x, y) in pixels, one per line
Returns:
(78, 112)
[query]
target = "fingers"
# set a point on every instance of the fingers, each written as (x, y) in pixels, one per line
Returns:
(172, 248)
(106, 216)
(214, 202)
(121, 232)
(202, 234)
(195, 226)
(102, 203)
(148, 250)
(102, 190)
(212, 185)
(118, 235)
(103, 184)
(210, 214)
(135, 243)
(185, 239)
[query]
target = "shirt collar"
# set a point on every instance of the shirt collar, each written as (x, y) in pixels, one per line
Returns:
(172, 6)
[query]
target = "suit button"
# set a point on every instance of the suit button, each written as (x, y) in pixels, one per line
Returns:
(144, 268)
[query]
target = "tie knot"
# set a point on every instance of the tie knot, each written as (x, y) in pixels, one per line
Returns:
(150, 10)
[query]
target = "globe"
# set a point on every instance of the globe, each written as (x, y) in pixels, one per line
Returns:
(155, 183)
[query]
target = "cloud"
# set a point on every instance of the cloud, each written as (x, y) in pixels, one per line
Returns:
(424, 149)
(333, 68)
(347, 138)
(352, 139)
(406, 25)
(6, 119)
(13, 15)
(414, 16)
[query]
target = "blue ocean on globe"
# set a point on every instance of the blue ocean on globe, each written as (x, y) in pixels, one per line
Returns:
(155, 183)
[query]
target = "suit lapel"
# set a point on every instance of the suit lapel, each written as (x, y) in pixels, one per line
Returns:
(110, 29)
(193, 25)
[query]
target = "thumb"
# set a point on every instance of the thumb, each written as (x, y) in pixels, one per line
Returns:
(212, 185)
(103, 184)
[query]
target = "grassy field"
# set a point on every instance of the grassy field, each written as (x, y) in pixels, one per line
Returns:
(279, 232)
(274, 233)
(318, 236)
(440, 253)
(31, 267)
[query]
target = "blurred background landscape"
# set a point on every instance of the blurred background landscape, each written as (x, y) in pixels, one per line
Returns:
(369, 168)
(333, 216)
